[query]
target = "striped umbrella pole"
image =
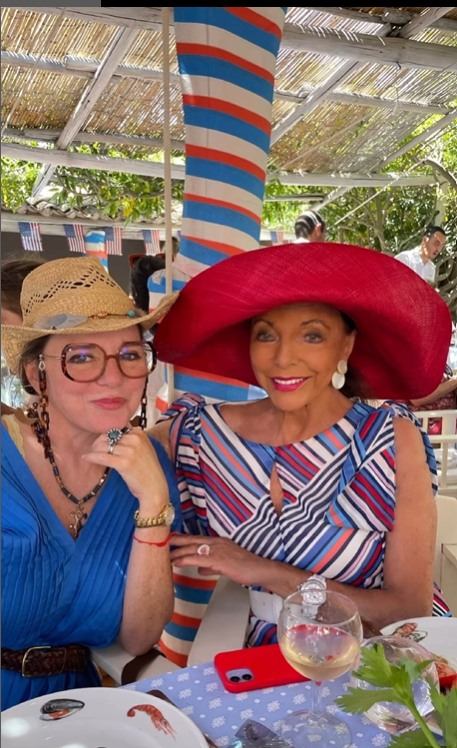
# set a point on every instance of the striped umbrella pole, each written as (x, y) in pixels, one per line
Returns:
(227, 59)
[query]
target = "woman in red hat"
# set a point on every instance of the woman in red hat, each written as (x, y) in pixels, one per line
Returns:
(312, 480)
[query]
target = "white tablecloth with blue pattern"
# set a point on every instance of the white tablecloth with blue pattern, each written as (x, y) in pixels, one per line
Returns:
(199, 693)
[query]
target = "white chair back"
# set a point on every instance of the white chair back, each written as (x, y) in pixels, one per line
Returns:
(445, 566)
(223, 627)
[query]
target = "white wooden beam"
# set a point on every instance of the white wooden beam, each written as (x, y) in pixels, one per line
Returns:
(86, 161)
(151, 18)
(82, 68)
(121, 44)
(362, 47)
(352, 180)
(353, 99)
(391, 15)
(139, 18)
(368, 48)
(423, 20)
(85, 69)
(91, 137)
(153, 169)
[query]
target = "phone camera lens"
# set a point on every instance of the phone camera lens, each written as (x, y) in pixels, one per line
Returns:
(247, 676)
(234, 678)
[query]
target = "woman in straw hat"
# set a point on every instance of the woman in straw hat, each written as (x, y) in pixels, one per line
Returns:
(87, 501)
(311, 480)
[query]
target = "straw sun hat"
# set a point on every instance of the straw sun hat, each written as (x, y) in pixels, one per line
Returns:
(76, 296)
(403, 325)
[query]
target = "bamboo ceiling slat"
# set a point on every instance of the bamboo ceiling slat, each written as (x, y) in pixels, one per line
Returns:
(330, 137)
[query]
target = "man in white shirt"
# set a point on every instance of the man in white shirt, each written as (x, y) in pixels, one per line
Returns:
(420, 258)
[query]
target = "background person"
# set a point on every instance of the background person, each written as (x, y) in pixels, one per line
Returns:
(85, 499)
(420, 259)
(309, 227)
(141, 268)
(444, 397)
(13, 273)
(311, 479)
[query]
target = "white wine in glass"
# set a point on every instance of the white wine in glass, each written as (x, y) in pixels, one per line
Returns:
(319, 632)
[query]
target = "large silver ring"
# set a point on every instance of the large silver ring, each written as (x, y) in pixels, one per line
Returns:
(204, 549)
(114, 436)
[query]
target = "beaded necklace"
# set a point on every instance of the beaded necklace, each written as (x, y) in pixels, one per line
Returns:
(79, 516)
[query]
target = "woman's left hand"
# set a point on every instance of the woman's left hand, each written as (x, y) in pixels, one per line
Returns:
(217, 556)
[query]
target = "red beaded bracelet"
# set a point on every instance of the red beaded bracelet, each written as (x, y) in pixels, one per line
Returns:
(160, 543)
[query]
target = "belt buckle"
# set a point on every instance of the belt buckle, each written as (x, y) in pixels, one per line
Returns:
(26, 654)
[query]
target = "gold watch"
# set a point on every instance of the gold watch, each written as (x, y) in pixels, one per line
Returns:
(164, 518)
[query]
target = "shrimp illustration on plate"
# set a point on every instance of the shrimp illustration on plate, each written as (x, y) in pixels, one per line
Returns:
(409, 630)
(157, 718)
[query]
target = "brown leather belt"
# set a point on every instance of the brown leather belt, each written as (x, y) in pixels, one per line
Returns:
(35, 662)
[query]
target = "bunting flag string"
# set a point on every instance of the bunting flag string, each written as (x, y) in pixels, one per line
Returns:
(277, 237)
(94, 243)
(75, 235)
(113, 239)
(30, 236)
(151, 238)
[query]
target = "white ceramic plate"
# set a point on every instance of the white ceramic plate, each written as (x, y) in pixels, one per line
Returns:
(98, 718)
(437, 634)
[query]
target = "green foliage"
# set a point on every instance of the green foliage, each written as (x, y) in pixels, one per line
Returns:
(17, 180)
(387, 219)
(395, 683)
(128, 197)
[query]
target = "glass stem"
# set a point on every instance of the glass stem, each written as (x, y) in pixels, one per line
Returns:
(316, 696)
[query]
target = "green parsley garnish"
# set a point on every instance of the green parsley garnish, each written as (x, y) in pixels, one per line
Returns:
(395, 683)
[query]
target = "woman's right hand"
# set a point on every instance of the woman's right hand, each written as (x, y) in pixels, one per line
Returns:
(135, 459)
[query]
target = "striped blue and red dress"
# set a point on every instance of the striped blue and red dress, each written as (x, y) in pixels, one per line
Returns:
(338, 486)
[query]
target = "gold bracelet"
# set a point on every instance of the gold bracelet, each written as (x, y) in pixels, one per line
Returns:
(163, 519)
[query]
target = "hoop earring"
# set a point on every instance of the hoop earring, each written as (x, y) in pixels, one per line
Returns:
(338, 378)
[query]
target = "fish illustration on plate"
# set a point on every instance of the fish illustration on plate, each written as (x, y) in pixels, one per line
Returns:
(60, 708)
(157, 718)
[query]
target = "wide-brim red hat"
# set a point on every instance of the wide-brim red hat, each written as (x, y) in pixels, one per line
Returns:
(403, 325)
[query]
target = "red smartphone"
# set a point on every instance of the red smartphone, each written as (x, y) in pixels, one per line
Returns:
(255, 667)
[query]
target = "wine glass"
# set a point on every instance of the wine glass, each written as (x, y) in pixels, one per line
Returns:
(319, 633)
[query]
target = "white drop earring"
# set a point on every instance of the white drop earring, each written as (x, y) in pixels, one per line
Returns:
(338, 378)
